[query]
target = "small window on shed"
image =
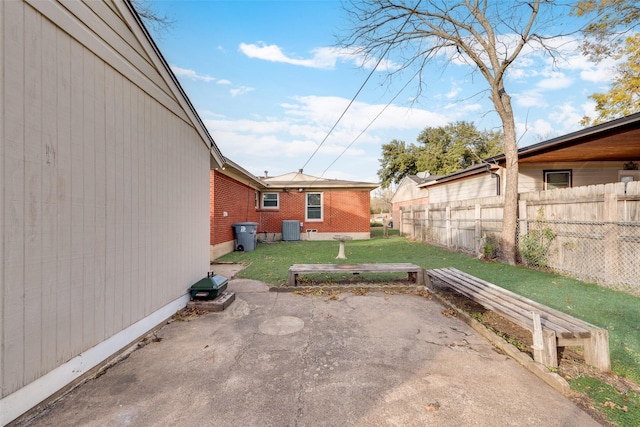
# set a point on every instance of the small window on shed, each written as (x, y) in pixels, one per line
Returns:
(557, 179)
(270, 200)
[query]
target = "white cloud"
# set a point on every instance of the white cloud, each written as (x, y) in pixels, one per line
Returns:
(567, 118)
(457, 108)
(554, 80)
(240, 90)
(223, 82)
(325, 111)
(530, 98)
(602, 72)
(455, 91)
(535, 131)
(589, 109)
(322, 57)
(303, 123)
(190, 74)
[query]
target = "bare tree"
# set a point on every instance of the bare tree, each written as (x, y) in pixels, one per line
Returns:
(486, 35)
(151, 17)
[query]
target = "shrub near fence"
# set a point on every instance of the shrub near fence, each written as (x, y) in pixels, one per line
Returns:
(595, 229)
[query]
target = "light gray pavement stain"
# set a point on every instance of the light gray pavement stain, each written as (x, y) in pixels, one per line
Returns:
(278, 359)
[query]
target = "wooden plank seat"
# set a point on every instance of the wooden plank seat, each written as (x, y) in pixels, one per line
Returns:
(415, 273)
(557, 329)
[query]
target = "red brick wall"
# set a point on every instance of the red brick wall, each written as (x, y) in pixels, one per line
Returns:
(344, 211)
(234, 198)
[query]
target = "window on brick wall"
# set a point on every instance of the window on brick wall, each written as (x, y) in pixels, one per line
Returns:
(257, 199)
(314, 206)
(270, 201)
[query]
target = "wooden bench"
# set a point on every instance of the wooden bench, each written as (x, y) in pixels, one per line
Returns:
(415, 273)
(550, 328)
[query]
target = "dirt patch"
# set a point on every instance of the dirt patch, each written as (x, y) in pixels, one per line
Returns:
(570, 360)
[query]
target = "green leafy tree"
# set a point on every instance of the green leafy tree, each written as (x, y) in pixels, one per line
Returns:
(611, 35)
(488, 36)
(612, 21)
(398, 160)
(456, 146)
(440, 150)
(623, 97)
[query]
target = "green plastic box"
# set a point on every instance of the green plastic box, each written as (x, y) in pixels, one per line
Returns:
(209, 287)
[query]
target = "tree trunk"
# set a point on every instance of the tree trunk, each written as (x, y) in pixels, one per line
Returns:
(510, 212)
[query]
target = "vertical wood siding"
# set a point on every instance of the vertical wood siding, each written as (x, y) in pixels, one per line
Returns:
(105, 190)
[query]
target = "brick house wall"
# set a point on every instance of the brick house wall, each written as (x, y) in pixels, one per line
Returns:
(231, 201)
(345, 211)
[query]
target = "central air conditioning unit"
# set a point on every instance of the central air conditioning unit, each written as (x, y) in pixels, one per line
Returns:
(290, 230)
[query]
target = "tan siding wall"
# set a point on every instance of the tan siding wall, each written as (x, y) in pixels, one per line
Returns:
(478, 186)
(105, 195)
(408, 191)
(530, 179)
(591, 173)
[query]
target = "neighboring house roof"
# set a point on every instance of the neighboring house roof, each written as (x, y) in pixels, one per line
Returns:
(240, 174)
(420, 179)
(416, 180)
(300, 180)
(617, 140)
(472, 170)
(154, 54)
(295, 180)
(411, 180)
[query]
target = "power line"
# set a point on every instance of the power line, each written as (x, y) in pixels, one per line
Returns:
(370, 123)
(363, 84)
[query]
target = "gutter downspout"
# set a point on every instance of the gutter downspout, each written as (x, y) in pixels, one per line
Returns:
(496, 176)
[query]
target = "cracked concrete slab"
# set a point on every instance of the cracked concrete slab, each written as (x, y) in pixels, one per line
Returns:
(279, 359)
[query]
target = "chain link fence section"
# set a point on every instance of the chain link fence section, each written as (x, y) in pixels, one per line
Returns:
(607, 253)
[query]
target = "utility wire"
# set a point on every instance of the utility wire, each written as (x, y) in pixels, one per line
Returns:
(363, 84)
(370, 123)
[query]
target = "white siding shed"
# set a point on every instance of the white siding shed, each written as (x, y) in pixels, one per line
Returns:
(104, 203)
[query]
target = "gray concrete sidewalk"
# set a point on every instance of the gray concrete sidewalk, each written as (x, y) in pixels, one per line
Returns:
(279, 359)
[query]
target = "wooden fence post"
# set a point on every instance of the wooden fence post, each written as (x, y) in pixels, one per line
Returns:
(478, 229)
(448, 226)
(425, 224)
(522, 216)
(610, 237)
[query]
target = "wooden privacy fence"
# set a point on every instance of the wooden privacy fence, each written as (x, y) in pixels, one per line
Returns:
(594, 230)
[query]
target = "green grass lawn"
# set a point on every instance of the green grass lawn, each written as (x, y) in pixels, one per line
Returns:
(618, 312)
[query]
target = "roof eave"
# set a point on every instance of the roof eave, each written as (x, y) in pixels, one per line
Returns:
(571, 137)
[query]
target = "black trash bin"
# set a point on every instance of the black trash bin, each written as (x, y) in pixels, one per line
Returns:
(246, 235)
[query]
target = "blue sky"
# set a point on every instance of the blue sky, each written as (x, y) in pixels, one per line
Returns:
(269, 83)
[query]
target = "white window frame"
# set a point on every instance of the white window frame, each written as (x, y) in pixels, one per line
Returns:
(547, 173)
(307, 206)
(277, 200)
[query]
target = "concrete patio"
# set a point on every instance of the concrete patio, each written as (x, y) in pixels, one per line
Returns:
(279, 359)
